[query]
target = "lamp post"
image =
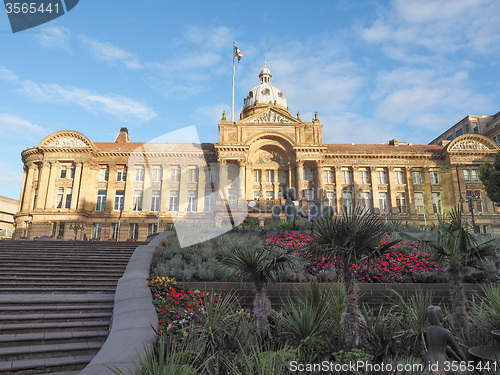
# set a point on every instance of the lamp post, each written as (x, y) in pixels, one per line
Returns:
(470, 199)
(76, 227)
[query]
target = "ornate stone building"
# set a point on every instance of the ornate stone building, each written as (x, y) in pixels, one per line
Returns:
(123, 189)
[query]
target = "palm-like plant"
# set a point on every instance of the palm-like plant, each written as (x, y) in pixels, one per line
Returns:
(261, 267)
(456, 247)
(351, 238)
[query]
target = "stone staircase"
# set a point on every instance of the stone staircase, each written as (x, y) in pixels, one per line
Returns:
(56, 302)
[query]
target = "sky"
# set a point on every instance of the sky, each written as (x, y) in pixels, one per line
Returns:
(373, 70)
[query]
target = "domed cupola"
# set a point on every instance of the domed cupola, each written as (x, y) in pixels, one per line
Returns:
(264, 93)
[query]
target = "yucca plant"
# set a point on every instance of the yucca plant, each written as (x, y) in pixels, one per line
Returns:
(456, 247)
(351, 238)
(313, 315)
(261, 267)
(485, 311)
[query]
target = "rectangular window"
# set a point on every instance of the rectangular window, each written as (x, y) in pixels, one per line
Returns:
(282, 177)
(64, 171)
(101, 200)
(459, 132)
(474, 175)
(467, 128)
(209, 201)
(346, 177)
(121, 174)
(328, 177)
(330, 195)
(69, 193)
(309, 194)
(173, 201)
(269, 195)
(191, 201)
(155, 200)
(364, 177)
(400, 177)
(139, 175)
(437, 205)
(232, 172)
(270, 176)
(60, 197)
(193, 174)
(347, 201)
(475, 197)
(137, 200)
(133, 233)
(119, 198)
(96, 231)
(450, 137)
(308, 174)
(419, 203)
(382, 177)
(175, 174)
(257, 176)
(434, 176)
(466, 175)
(256, 194)
(152, 228)
(72, 172)
(401, 203)
(232, 195)
(103, 174)
(114, 231)
(383, 203)
(210, 175)
(365, 202)
(61, 230)
(53, 227)
(157, 174)
(416, 177)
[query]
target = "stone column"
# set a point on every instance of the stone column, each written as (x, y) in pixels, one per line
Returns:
(426, 180)
(110, 191)
(28, 186)
(248, 181)
(129, 192)
(392, 190)
(146, 190)
(43, 181)
(201, 189)
(77, 179)
(51, 193)
(410, 205)
(85, 188)
(300, 178)
(222, 181)
(23, 188)
(183, 184)
(374, 189)
(355, 186)
(338, 189)
(242, 181)
(164, 189)
(319, 185)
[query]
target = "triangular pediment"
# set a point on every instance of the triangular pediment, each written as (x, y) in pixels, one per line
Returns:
(472, 143)
(269, 116)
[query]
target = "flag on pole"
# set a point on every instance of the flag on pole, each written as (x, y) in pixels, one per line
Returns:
(238, 54)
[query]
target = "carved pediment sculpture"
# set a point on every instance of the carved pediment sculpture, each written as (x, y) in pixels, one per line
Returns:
(469, 145)
(270, 117)
(68, 142)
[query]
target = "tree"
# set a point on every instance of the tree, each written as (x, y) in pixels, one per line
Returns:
(489, 174)
(459, 249)
(260, 266)
(351, 238)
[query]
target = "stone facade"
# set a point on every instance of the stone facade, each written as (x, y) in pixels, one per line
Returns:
(123, 189)
(8, 208)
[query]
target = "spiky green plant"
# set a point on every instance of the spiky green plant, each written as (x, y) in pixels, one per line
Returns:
(261, 267)
(456, 247)
(485, 311)
(351, 238)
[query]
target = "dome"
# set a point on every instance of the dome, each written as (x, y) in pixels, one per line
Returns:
(265, 92)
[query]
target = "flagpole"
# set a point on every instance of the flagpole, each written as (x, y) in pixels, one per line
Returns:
(232, 106)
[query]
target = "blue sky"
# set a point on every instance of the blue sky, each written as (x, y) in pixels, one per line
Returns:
(374, 70)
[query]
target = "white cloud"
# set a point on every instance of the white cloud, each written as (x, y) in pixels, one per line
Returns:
(11, 125)
(119, 106)
(7, 75)
(437, 26)
(214, 38)
(111, 54)
(54, 37)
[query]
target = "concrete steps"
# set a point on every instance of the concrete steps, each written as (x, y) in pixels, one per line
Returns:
(56, 303)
